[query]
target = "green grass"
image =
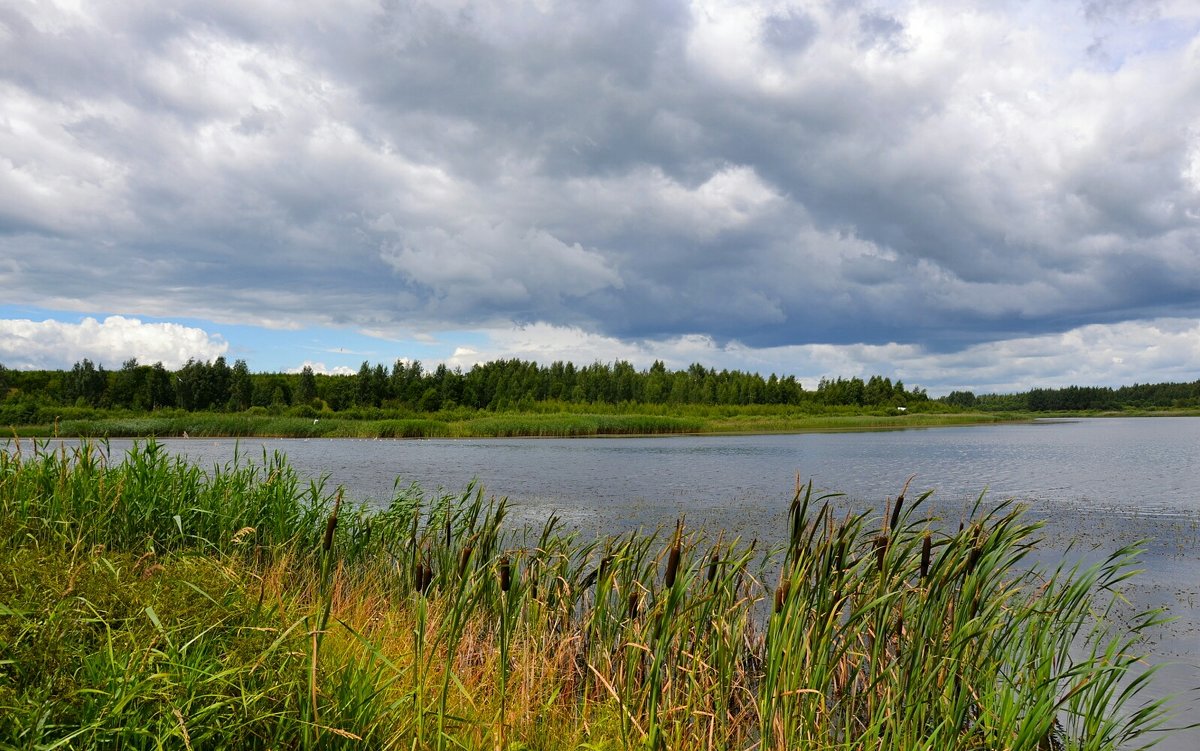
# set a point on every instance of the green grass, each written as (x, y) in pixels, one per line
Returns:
(145, 603)
(558, 420)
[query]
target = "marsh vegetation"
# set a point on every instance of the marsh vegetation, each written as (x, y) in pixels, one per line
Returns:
(148, 602)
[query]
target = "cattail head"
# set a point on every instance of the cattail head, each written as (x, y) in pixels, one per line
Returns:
(797, 517)
(713, 562)
(464, 559)
(781, 595)
(505, 574)
(973, 557)
(977, 543)
(331, 525)
(425, 578)
(632, 607)
(881, 545)
(673, 557)
(896, 512)
(605, 563)
(926, 553)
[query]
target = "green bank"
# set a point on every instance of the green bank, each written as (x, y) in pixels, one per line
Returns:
(462, 423)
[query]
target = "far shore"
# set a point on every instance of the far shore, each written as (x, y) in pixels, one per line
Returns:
(583, 424)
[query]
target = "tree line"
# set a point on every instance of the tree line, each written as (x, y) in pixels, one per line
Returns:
(513, 384)
(1083, 398)
(501, 384)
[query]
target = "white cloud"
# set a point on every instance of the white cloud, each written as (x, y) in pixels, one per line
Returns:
(49, 344)
(1092, 355)
(320, 367)
(497, 263)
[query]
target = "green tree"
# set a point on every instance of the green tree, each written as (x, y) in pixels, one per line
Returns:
(241, 387)
(962, 399)
(658, 385)
(128, 387)
(190, 384)
(219, 378)
(364, 386)
(306, 386)
(159, 387)
(85, 383)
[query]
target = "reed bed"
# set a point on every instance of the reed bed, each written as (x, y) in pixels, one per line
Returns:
(574, 425)
(149, 603)
(540, 420)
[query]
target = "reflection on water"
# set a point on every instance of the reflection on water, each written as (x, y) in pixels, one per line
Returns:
(1096, 483)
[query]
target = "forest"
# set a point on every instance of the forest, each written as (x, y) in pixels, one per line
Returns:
(408, 386)
(28, 396)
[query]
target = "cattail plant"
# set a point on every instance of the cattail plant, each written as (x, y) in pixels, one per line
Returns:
(673, 557)
(505, 574)
(541, 640)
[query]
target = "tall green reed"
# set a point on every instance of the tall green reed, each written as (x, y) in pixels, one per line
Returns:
(429, 623)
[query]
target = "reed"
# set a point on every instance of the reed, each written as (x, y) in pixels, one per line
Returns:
(542, 419)
(159, 604)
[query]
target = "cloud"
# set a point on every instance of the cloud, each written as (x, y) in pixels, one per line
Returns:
(26, 344)
(941, 175)
(322, 368)
(483, 265)
(1095, 354)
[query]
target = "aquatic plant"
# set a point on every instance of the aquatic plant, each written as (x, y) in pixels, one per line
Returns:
(149, 602)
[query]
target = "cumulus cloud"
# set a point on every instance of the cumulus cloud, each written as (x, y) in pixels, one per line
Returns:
(941, 175)
(1095, 354)
(56, 345)
(322, 368)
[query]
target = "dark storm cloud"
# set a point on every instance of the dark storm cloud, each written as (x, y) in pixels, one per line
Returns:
(842, 173)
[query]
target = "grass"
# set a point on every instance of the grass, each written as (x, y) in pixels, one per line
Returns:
(145, 603)
(561, 421)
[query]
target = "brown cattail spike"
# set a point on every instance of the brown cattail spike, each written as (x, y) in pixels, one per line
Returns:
(973, 557)
(926, 553)
(465, 559)
(605, 563)
(425, 578)
(632, 608)
(505, 574)
(896, 512)
(331, 525)
(881, 544)
(673, 557)
(781, 595)
(899, 503)
(977, 544)
(713, 562)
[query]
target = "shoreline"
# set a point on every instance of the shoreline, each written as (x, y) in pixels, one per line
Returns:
(533, 424)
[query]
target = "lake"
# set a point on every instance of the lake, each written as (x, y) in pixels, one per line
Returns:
(1096, 483)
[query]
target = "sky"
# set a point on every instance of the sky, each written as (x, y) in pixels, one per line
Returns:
(962, 194)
